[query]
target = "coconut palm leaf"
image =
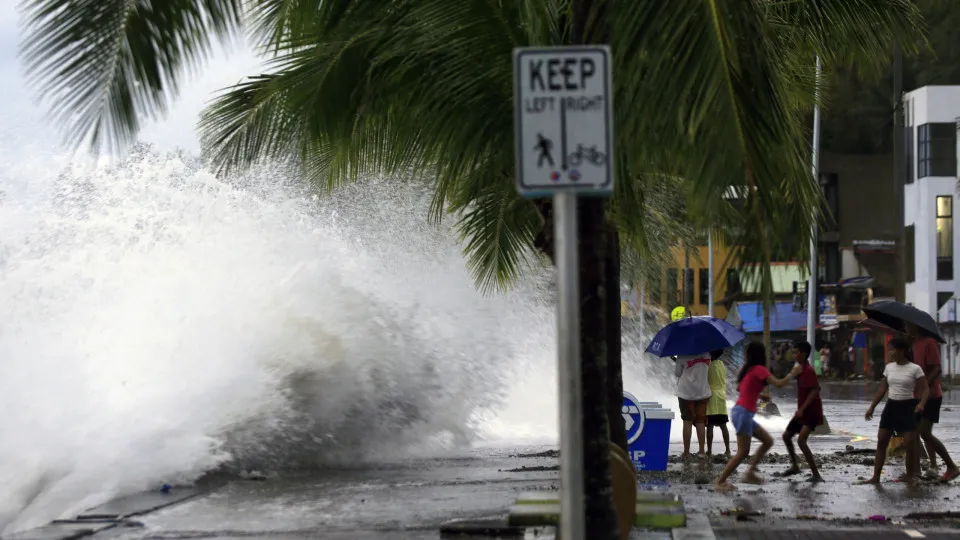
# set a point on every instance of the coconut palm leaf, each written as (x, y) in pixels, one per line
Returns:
(854, 33)
(424, 87)
(104, 65)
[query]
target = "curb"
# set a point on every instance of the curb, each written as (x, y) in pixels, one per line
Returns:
(698, 528)
(113, 513)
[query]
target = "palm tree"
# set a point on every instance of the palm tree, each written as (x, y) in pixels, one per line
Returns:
(705, 90)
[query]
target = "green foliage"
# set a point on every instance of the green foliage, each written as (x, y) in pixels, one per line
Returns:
(711, 92)
(102, 65)
(859, 115)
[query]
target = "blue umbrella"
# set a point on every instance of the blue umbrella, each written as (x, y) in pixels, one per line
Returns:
(694, 335)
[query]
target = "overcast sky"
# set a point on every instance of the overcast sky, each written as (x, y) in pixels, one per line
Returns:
(23, 122)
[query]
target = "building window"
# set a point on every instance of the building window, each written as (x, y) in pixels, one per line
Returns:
(910, 236)
(832, 268)
(937, 150)
(673, 294)
(945, 237)
(733, 282)
(704, 286)
(688, 287)
(656, 290)
(831, 192)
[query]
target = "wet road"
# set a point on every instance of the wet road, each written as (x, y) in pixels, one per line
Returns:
(411, 499)
(837, 498)
(404, 500)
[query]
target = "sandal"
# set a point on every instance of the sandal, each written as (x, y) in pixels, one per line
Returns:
(950, 475)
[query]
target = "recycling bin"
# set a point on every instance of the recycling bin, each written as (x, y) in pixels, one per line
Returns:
(648, 433)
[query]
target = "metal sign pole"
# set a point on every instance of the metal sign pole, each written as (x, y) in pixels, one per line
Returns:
(564, 135)
(813, 299)
(572, 507)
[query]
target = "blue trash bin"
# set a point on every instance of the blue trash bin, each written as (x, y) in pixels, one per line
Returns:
(648, 433)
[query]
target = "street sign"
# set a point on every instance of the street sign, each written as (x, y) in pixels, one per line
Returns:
(563, 113)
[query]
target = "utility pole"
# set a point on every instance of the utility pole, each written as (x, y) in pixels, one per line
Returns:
(813, 299)
(640, 303)
(687, 299)
(710, 272)
(899, 169)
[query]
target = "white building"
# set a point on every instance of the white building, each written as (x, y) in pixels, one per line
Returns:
(932, 117)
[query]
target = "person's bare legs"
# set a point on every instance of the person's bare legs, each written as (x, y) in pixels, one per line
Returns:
(912, 460)
(883, 439)
(931, 454)
(807, 454)
(794, 463)
(931, 450)
(687, 432)
(743, 450)
(726, 437)
(936, 448)
(709, 440)
(701, 429)
(766, 442)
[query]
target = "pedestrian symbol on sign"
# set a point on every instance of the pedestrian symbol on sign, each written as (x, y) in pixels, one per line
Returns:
(544, 145)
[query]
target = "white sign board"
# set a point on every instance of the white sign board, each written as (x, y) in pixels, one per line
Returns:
(564, 120)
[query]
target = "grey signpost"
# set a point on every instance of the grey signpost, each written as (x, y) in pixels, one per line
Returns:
(563, 113)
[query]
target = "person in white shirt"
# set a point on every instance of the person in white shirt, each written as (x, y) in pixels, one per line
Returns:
(693, 394)
(900, 378)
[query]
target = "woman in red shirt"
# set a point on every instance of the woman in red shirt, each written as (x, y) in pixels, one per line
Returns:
(753, 377)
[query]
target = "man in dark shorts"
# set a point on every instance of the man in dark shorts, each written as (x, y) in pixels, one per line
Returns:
(926, 354)
(809, 413)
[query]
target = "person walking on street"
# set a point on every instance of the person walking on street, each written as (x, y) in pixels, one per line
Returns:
(693, 393)
(825, 360)
(753, 377)
(717, 407)
(809, 413)
(900, 377)
(926, 354)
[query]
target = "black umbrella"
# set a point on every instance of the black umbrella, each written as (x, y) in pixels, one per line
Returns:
(896, 315)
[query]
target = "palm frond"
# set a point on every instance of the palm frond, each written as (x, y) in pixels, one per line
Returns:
(103, 65)
(497, 228)
(704, 93)
(731, 120)
(853, 33)
(250, 123)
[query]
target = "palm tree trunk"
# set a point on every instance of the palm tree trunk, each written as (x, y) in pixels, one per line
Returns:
(600, 335)
(618, 430)
(601, 520)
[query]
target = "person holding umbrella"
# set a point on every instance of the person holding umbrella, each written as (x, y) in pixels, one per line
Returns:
(924, 331)
(693, 395)
(926, 354)
(690, 340)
